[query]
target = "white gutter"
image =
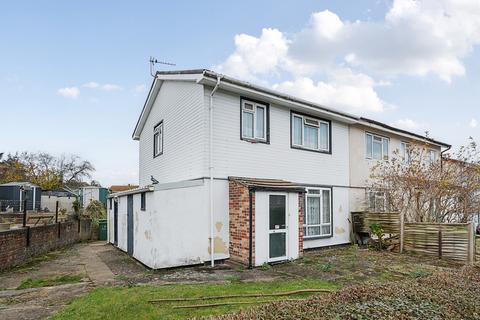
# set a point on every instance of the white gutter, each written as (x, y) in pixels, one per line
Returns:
(210, 171)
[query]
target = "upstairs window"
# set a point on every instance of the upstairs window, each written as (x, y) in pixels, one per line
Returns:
(405, 152)
(431, 156)
(254, 121)
(310, 133)
(158, 139)
(317, 216)
(377, 147)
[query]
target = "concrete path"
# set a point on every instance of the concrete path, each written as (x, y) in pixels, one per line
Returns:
(40, 303)
(97, 271)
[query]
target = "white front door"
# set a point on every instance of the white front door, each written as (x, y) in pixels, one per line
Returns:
(277, 227)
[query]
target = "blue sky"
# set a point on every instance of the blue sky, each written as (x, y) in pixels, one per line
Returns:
(73, 75)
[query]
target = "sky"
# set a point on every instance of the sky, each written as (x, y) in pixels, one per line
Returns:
(74, 75)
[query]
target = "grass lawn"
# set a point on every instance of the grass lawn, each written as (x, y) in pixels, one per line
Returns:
(132, 302)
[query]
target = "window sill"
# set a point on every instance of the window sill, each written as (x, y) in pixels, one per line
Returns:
(253, 140)
(317, 237)
(311, 150)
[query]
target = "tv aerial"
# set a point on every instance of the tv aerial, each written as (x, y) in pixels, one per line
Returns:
(154, 61)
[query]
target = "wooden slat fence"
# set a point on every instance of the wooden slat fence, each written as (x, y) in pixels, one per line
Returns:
(453, 241)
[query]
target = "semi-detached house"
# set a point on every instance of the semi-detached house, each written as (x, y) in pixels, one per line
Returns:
(232, 170)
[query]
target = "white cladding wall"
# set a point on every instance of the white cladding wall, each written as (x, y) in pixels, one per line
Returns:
(361, 167)
(180, 106)
(90, 194)
(236, 157)
(262, 226)
(174, 229)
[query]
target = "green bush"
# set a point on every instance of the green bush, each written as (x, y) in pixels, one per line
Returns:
(95, 211)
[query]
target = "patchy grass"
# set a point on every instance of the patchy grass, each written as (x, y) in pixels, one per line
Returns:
(354, 265)
(48, 282)
(449, 294)
(32, 263)
(132, 303)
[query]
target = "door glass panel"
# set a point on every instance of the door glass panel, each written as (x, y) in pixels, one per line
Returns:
(277, 212)
(277, 245)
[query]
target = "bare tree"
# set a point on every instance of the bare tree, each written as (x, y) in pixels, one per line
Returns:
(446, 190)
(47, 171)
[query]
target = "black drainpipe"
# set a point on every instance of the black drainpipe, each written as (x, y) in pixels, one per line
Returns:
(441, 157)
(250, 231)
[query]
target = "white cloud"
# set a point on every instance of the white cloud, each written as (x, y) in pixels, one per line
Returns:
(254, 56)
(110, 87)
(141, 88)
(69, 92)
(473, 123)
(415, 38)
(91, 85)
(410, 125)
(104, 87)
(345, 90)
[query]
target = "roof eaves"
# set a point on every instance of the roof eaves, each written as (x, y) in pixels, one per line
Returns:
(415, 135)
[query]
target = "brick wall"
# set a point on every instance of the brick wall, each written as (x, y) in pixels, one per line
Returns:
(42, 239)
(301, 207)
(239, 211)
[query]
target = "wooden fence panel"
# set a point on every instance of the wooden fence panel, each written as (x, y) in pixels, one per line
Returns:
(454, 241)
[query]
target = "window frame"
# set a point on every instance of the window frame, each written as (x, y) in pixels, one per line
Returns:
(158, 125)
(294, 114)
(406, 159)
(429, 159)
(143, 201)
(110, 203)
(305, 223)
(374, 135)
(266, 120)
(380, 195)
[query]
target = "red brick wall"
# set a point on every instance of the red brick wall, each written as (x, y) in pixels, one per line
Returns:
(239, 211)
(13, 243)
(301, 207)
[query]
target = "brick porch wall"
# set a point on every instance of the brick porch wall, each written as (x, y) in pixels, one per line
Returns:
(301, 207)
(239, 212)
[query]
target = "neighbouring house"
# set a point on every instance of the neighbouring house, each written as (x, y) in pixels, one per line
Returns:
(372, 141)
(119, 188)
(232, 170)
(90, 193)
(12, 196)
(64, 198)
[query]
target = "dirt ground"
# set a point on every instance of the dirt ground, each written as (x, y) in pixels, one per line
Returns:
(100, 265)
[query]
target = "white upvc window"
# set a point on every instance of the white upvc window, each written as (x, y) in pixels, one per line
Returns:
(310, 133)
(377, 147)
(254, 121)
(317, 216)
(158, 139)
(405, 152)
(431, 156)
(377, 201)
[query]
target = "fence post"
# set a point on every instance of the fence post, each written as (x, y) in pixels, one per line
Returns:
(402, 227)
(56, 212)
(439, 244)
(471, 243)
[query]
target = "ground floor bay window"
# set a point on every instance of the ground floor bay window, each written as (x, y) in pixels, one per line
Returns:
(317, 216)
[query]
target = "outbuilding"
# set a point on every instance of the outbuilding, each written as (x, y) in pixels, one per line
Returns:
(12, 195)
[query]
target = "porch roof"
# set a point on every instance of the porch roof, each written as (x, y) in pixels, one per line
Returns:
(268, 184)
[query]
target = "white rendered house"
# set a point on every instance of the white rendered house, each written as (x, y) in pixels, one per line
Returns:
(256, 175)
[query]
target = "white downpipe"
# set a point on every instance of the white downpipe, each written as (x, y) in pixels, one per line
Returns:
(210, 170)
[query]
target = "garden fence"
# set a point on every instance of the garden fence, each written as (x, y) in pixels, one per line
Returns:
(453, 241)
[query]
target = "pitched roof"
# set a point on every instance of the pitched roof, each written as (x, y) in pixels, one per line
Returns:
(118, 188)
(209, 77)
